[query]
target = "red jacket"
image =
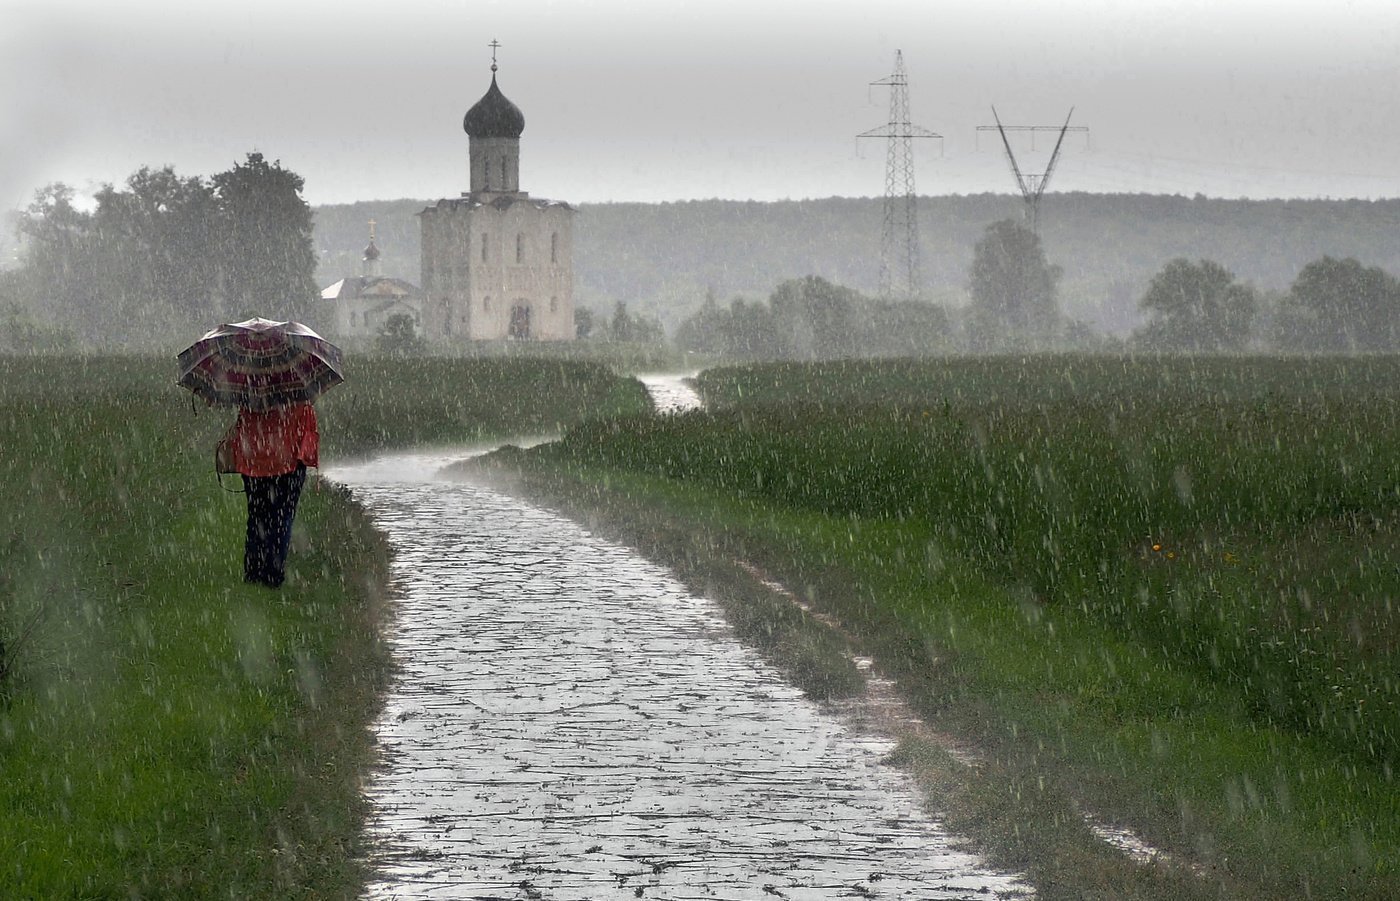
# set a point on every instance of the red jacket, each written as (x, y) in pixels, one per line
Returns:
(273, 442)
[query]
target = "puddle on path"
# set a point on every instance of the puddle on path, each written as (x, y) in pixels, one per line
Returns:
(569, 722)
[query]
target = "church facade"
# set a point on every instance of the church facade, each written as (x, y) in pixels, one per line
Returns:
(497, 263)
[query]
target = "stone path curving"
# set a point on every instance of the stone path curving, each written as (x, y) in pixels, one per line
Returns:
(569, 722)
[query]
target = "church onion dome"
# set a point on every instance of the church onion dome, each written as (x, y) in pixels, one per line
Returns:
(494, 116)
(371, 252)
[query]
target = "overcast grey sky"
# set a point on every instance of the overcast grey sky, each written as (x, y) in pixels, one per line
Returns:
(673, 99)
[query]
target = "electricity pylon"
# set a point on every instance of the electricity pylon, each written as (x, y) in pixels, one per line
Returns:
(1032, 186)
(899, 237)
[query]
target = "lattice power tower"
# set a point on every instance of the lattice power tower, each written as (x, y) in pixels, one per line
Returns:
(899, 239)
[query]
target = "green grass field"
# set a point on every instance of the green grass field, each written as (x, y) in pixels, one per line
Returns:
(166, 730)
(1161, 590)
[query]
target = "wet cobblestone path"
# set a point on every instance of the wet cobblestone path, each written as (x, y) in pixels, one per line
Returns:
(569, 722)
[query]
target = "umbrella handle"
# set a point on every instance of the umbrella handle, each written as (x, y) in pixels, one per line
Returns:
(218, 472)
(220, 476)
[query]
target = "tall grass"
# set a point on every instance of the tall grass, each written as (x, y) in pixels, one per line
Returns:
(1035, 380)
(620, 356)
(1190, 528)
(398, 402)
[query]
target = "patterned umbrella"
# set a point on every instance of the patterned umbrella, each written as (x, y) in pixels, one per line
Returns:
(260, 364)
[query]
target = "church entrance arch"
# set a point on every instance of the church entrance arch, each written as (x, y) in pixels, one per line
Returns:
(444, 312)
(520, 321)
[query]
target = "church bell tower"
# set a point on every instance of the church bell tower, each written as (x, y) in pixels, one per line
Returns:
(497, 263)
(493, 128)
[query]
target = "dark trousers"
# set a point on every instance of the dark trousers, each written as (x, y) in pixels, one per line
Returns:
(272, 502)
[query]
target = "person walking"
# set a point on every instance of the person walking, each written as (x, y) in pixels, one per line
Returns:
(272, 449)
(272, 372)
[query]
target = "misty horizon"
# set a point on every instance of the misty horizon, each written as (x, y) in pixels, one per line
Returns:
(684, 102)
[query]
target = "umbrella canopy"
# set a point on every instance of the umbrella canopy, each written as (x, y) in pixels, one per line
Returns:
(260, 364)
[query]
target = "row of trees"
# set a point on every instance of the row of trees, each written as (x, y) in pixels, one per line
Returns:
(1013, 308)
(166, 255)
(1333, 306)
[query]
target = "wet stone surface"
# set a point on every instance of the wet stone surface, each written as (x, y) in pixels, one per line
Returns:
(569, 722)
(672, 393)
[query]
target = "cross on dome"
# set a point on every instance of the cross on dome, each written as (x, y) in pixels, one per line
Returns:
(494, 116)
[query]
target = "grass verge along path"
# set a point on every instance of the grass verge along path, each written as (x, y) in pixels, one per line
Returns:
(165, 729)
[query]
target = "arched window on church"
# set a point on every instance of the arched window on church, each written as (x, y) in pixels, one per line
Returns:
(553, 304)
(483, 248)
(505, 182)
(520, 248)
(554, 248)
(486, 304)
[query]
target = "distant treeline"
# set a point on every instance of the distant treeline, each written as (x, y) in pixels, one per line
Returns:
(663, 259)
(812, 319)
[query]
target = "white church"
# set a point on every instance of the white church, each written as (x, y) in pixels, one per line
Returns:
(497, 263)
(360, 306)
